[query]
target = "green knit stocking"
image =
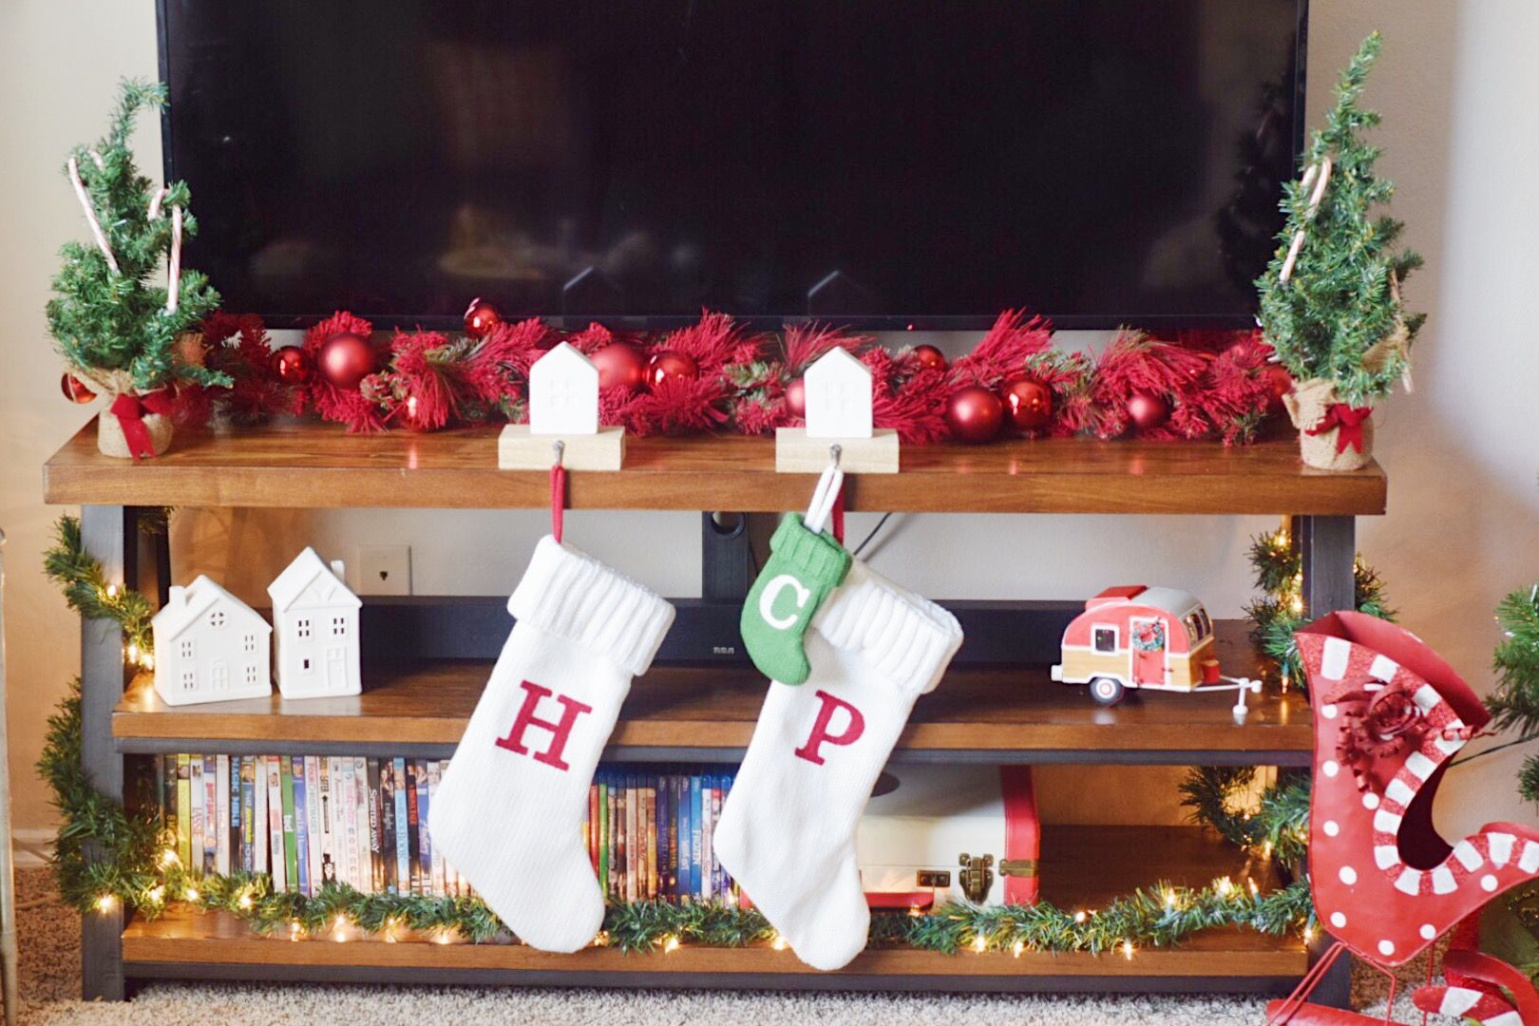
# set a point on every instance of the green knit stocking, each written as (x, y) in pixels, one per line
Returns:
(803, 569)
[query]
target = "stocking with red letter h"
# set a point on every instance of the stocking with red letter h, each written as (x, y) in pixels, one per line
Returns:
(787, 831)
(508, 812)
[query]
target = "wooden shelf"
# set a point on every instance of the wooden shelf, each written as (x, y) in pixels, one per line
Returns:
(977, 714)
(1081, 868)
(310, 465)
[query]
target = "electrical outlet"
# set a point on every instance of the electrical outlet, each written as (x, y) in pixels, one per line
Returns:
(384, 569)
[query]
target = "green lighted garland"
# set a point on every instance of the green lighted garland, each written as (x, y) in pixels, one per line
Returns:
(106, 858)
(88, 591)
(1279, 611)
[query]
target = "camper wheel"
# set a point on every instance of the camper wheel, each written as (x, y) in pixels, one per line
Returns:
(1107, 690)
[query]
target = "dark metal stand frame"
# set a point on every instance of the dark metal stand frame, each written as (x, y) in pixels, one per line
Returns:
(111, 535)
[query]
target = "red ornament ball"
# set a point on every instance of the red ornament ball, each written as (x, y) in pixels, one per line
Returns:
(974, 414)
(291, 365)
(480, 318)
(345, 360)
(1029, 402)
(930, 358)
(796, 397)
(1281, 382)
(1148, 411)
(671, 366)
(75, 390)
(620, 365)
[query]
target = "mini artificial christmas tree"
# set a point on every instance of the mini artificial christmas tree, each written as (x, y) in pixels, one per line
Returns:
(1515, 703)
(1330, 300)
(113, 321)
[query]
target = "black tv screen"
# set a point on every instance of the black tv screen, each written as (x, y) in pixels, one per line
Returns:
(879, 163)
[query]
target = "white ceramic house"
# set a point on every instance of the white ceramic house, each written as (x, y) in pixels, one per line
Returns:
(210, 647)
(563, 393)
(316, 617)
(838, 397)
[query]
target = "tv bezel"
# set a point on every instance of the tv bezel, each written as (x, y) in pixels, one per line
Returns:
(770, 322)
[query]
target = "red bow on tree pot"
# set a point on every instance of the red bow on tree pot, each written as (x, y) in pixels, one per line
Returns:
(1349, 420)
(130, 410)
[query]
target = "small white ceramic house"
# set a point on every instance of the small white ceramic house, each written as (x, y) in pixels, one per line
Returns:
(210, 647)
(563, 393)
(316, 617)
(838, 397)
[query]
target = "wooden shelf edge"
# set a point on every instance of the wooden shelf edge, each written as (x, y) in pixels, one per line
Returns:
(314, 466)
(220, 939)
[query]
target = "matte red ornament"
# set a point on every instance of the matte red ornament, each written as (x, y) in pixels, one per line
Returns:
(1148, 411)
(346, 360)
(481, 317)
(671, 366)
(291, 365)
(796, 397)
(930, 357)
(620, 365)
(1029, 402)
(974, 414)
(75, 390)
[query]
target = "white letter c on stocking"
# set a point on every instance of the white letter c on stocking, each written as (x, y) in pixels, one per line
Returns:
(772, 591)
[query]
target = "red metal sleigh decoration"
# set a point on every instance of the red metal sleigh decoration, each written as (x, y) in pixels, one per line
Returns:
(1389, 713)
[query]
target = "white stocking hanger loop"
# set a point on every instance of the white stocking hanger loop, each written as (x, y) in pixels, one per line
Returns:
(826, 494)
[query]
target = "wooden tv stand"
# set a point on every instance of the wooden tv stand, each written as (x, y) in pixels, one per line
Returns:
(677, 714)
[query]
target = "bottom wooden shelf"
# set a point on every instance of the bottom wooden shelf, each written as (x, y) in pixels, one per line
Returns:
(182, 944)
(1082, 867)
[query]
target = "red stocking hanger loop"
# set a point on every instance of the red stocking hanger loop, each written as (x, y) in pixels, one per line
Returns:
(557, 491)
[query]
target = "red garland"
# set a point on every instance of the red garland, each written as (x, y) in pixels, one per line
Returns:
(239, 346)
(1216, 386)
(345, 406)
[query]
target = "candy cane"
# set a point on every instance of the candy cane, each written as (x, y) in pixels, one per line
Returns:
(1316, 175)
(174, 273)
(90, 213)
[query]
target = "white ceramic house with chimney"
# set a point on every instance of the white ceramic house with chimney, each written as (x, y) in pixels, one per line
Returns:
(563, 393)
(838, 396)
(316, 618)
(210, 647)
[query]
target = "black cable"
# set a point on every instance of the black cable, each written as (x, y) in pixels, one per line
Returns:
(879, 524)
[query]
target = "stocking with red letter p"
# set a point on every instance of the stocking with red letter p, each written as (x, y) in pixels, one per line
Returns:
(787, 831)
(508, 812)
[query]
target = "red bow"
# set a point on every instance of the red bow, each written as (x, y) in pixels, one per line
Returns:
(1348, 423)
(130, 411)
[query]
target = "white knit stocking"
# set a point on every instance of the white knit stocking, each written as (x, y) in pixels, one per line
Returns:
(508, 812)
(787, 831)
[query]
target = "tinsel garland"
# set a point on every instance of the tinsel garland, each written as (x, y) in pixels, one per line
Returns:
(741, 382)
(1279, 611)
(89, 592)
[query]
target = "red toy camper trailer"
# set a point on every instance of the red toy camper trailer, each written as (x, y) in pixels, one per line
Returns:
(1139, 637)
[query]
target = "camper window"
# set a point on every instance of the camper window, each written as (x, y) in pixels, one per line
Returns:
(1105, 639)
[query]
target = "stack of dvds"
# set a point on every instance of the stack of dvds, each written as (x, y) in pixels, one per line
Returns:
(311, 820)
(649, 833)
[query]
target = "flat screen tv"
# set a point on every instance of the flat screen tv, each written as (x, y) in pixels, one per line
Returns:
(882, 164)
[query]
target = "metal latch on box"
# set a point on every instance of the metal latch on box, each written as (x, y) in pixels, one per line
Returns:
(976, 877)
(1017, 867)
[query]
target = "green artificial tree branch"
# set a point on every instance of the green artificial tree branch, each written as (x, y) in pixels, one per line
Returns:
(113, 326)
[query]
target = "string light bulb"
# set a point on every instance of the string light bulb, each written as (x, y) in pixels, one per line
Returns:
(980, 944)
(112, 591)
(1127, 950)
(169, 858)
(670, 944)
(156, 894)
(1079, 917)
(191, 893)
(779, 943)
(106, 903)
(1170, 899)
(1017, 948)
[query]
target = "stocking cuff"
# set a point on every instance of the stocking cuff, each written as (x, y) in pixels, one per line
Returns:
(574, 596)
(818, 555)
(906, 637)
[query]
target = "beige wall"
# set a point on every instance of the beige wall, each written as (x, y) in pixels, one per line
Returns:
(1457, 91)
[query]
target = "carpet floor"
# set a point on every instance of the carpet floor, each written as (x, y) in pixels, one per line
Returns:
(50, 984)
